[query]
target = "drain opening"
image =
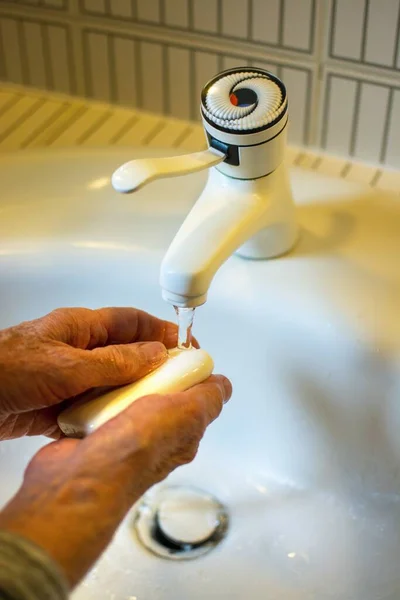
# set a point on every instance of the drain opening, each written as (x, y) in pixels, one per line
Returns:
(180, 523)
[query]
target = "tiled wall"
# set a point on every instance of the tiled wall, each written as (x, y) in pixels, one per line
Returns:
(340, 59)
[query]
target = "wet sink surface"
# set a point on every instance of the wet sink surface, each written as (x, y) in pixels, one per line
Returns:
(307, 454)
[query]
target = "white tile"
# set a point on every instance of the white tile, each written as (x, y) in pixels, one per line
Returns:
(121, 8)
(33, 124)
(381, 32)
(113, 126)
(332, 165)
(390, 181)
(62, 123)
(196, 140)
(35, 54)
(392, 156)
(176, 13)
(297, 23)
(265, 25)
(232, 62)
(371, 121)
(348, 28)
(152, 76)
(54, 3)
(17, 112)
(339, 120)
(95, 6)
(206, 68)
(179, 83)
(98, 83)
(125, 71)
(296, 82)
(268, 66)
(361, 173)
(86, 120)
(7, 99)
(12, 50)
(235, 18)
(148, 10)
(141, 131)
(168, 136)
(60, 58)
(205, 15)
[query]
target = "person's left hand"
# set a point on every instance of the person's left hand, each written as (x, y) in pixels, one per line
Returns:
(67, 352)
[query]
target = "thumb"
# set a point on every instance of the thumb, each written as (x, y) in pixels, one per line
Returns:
(119, 364)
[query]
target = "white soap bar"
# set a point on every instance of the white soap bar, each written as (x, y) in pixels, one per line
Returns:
(182, 370)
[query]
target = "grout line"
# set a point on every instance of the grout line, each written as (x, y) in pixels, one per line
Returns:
(281, 17)
(386, 128)
(355, 119)
(161, 11)
(378, 174)
(307, 120)
(138, 73)
(124, 129)
(46, 56)
(364, 31)
(23, 52)
(313, 23)
(134, 10)
(22, 118)
(112, 72)
(192, 84)
(13, 100)
(317, 162)
(63, 108)
(219, 17)
(182, 137)
(345, 170)
(79, 113)
(396, 42)
(93, 128)
(3, 69)
(165, 75)
(299, 159)
(154, 132)
(249, 20)
(87, 72)
(190, 15)
(332, 33)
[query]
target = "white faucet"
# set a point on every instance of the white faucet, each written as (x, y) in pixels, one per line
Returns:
(246, 205)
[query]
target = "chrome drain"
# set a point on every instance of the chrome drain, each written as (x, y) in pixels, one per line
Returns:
(180, 523)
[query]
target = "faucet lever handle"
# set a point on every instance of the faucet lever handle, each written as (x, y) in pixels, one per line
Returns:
(134, 174)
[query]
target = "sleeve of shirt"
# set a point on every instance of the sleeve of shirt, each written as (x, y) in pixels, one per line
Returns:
(27, 573)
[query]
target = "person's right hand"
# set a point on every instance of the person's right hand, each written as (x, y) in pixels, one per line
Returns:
(76, 492)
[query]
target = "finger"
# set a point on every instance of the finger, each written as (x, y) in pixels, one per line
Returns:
(34, 422)
(158, 420)
(86, 329)
(116, 365)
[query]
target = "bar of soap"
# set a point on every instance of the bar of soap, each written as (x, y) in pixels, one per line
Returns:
(182, 370)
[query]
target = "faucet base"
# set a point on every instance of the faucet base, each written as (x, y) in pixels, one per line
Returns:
(271, 242)
(279, 232)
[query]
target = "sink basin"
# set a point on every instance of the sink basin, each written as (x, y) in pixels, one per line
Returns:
(306, 456)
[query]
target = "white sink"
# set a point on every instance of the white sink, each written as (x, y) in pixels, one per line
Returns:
(307, 454)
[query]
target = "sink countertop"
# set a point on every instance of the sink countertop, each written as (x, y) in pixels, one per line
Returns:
(31, 118)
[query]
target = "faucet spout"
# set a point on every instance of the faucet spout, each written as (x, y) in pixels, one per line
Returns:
(254, 217)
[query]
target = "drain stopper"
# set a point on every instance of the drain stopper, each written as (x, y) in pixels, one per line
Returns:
(188, 516)
(180, 522)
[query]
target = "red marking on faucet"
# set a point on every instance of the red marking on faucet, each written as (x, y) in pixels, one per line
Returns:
(233, 99)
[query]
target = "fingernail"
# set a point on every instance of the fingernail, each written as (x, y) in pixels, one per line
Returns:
(227, 388)
(154, 352)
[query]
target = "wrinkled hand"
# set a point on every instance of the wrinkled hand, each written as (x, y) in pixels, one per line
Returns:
(76, 492)
(67, 352)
